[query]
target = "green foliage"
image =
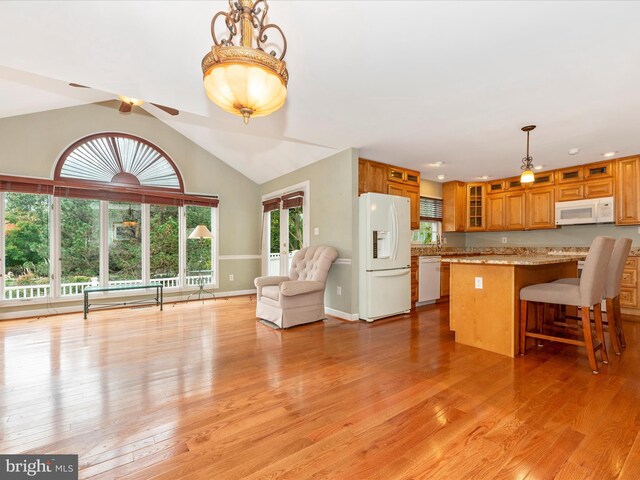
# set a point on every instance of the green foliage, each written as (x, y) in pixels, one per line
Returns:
(295, 230)
(164, 245)
(27, 236)
(198, 250)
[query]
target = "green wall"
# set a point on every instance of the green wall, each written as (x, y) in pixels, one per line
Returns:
(333, 184)
(31, 144)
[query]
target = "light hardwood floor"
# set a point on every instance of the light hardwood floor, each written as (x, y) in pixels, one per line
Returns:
(206, 392)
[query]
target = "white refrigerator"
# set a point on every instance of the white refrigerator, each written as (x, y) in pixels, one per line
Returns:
(385, 256)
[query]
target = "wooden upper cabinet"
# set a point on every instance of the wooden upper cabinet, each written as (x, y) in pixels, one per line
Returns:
(570, 174)
(454, 200)
(571, 191)
(495, 212)
(372, 177)
(598, 188)
(515, 211)
(540, 208)
(627, 200)
(498, 186)
(543, 179)
(475, 207)
(513, 183)
(402, 175)
(413, 194)
(597, 170)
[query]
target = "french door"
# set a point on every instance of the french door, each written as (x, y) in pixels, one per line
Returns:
(285, 232)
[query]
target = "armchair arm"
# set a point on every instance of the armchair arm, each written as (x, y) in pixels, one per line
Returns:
(273, 280)
(291, 288)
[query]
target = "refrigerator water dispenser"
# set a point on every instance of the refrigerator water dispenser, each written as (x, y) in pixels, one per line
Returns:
(381, 244)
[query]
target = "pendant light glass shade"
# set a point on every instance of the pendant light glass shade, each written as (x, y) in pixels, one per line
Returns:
(243, 78)
(527, 177)
(245, 90)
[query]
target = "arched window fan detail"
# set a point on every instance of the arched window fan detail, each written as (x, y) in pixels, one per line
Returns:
(120, 159)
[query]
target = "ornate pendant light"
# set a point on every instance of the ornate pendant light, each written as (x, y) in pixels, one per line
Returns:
(527, 162)
(244, 79)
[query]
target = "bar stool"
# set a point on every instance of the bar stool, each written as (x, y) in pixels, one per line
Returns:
(586, 294)
(612, 285)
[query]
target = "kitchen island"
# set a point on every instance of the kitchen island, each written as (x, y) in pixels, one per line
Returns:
(484, 297)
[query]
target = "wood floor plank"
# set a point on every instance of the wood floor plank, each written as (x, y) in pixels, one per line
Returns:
(202, 391)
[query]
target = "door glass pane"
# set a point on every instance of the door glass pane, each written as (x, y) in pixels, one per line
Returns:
(80, 244)
(198, 250)
(164, 244)
(27, 245)
(295, 232)
(125, 243)
(274, 243)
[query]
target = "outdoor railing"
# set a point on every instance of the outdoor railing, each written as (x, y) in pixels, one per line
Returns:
(18, 292)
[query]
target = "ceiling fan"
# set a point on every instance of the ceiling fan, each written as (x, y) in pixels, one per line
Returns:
(127, 103)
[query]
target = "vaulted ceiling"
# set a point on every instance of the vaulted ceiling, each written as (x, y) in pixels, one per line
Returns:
(409, 83)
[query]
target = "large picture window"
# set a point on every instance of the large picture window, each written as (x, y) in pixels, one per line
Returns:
(199, 251)
(26, 243)
(79, 244)
(125, 243)
(164, 258)
(115, 213)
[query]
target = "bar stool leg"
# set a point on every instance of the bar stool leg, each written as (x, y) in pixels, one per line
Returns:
(539, 321)
(524, 308)
(597, 316)
(588, 339)
(613, 326)
(618, 314)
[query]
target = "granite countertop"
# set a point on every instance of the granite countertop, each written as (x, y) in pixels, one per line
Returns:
(514, 259)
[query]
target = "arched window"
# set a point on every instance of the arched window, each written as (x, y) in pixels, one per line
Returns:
(118, 159)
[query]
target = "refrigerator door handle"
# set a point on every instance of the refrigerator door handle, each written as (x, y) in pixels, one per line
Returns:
(394, 216)
(392, 273)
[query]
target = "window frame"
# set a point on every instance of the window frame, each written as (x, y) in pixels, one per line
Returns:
(55, 250)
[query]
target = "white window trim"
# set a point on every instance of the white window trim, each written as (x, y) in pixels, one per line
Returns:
(306, 212)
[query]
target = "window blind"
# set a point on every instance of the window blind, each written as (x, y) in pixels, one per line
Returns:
(430, 209)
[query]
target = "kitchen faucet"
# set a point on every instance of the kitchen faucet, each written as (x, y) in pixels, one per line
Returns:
(438, 242)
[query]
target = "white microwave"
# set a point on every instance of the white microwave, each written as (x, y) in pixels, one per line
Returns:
(595, 210)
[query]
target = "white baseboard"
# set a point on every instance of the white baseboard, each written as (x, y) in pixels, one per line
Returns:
(352, 317)
(52, 309)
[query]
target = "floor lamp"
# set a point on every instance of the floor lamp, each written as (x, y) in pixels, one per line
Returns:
(200, 233)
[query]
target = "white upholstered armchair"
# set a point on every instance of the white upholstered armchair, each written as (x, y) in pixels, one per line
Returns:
(298, 298)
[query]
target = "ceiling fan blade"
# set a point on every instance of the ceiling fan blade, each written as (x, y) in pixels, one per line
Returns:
(169, 110)
(125, 107)
(77, 85)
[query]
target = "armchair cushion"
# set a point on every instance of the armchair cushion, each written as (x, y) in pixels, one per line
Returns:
(273, 280)
(291, 288)
(272, 292)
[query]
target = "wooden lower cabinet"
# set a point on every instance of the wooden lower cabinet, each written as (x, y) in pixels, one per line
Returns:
(414, 280)
(445, 272)
(629, 287)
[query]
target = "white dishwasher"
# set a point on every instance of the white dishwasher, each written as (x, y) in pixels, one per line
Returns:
(429, 279)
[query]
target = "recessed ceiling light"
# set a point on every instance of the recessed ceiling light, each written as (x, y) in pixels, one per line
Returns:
(440, 177)
(574, 151)
(538, 167)
(435, 164)
(609, 154)
(484, 177)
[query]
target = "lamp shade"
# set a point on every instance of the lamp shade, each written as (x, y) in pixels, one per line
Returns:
(201, 231)
(239, 87)
(527, 177)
